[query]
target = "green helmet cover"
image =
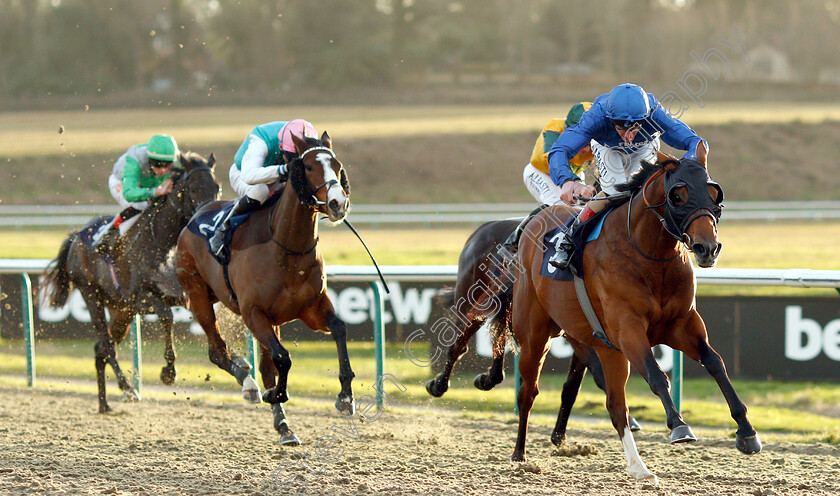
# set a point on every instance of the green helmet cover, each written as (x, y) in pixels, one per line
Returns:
(162, 147)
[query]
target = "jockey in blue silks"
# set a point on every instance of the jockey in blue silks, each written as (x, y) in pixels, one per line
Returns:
(623, 128)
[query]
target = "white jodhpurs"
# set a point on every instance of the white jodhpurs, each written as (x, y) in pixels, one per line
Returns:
(541, 187)
(616, 165)
(256, 191)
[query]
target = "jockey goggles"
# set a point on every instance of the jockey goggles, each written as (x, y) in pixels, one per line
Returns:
(158, 164)
(626, 124)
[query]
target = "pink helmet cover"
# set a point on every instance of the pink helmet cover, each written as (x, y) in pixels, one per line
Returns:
(299, 128)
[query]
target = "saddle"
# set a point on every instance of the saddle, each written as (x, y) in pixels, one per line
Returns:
(205, 223)
(588, 231)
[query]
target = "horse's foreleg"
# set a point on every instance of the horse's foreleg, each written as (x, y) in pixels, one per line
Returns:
(263, 330)
(616, 372)
(269, 377)
(695, 345)
(152, 303)
(594, 366)
(640, 355)
(440, 384)
(322, 316)
(345, 401)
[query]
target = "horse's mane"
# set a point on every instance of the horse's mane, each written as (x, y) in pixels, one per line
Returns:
(638, 178)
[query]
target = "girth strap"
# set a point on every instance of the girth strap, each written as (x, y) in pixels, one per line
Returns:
(589, 311)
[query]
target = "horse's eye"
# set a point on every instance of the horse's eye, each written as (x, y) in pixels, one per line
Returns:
(308, 168)
(676, 196)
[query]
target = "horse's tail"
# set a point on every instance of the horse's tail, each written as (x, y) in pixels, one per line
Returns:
(446, 297)
(500, 322)
(57, 283)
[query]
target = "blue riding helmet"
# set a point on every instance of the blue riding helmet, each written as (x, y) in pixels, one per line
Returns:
(627, 104)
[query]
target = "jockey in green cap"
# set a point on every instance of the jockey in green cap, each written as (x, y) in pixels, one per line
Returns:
(140, 174)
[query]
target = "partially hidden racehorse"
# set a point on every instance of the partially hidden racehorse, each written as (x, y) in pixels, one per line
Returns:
(276, 274)
(641, 284)
(134, 281)
(482, 267)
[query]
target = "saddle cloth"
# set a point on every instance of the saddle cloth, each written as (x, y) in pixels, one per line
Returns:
(589, 231)
(204, 224)
(87, 233)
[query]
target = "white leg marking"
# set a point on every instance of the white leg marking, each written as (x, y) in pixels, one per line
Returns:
(634, 462)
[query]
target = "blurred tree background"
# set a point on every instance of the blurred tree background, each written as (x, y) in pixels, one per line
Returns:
(251, 51)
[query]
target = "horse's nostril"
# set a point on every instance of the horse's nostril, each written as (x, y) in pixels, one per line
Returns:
(699, 249)
(334, 206)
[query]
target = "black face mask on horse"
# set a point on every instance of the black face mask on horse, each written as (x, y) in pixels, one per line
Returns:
(685, 197)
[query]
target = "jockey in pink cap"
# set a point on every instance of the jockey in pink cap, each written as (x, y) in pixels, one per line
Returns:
(261, 160)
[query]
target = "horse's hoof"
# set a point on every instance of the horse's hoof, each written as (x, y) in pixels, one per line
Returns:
(167, 375)
(482, 381)
(748, 445)
(517, 457)
(433, 389)
(130, 396)
(682, 434)
(634, 425)
(647, 477)
(104, 409)
(251, 391)
(345, 405)
(558, 439)
(289, 439)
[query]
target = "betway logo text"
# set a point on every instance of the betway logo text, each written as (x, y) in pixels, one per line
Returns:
(354, 305)
(805, 338)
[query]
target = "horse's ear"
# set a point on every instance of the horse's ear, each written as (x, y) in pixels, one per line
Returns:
(184, 162)
(670, 165)
(211, 160)
(326, 140)
(300, 143)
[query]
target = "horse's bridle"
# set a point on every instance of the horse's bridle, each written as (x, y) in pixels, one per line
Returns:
(675, 224)
(328, 184)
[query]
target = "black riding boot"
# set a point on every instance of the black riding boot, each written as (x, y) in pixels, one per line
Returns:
(511, 244)
(243, 205)
(565, 249)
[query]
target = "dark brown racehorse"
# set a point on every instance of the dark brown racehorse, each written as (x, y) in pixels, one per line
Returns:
(135, 283)
(481, 267)
(277, 275)
(641, 284)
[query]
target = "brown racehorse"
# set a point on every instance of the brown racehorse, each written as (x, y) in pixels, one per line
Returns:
(277, 275)
(482, 265)
(135, 282)
(641, 284)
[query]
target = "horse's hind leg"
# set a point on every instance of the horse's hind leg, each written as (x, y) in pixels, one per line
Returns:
(616, 372)
(440, 384)
(269, 376)
(695, 344)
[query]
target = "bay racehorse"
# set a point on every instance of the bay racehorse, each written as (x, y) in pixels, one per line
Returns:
(482, 266)
(275, 275)
(640, 281)
(133, 281)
